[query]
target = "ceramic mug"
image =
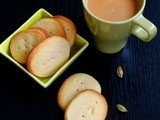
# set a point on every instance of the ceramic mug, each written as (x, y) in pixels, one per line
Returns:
(111, 36)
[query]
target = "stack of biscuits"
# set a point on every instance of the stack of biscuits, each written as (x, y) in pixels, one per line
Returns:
(45, 46)
(80, 98)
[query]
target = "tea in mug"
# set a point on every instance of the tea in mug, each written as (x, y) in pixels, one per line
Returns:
(113, 10)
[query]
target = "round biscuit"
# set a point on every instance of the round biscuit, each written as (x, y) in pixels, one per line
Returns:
(48, 56)
(52, 26)
(69, 28)
(23, 42)
(87, 105)
(75, 84)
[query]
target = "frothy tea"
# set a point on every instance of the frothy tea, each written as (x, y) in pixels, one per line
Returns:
(113, 10)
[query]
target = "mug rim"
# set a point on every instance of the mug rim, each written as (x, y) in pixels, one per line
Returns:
(115, 22)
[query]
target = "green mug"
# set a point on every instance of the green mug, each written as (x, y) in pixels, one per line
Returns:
(111, 36)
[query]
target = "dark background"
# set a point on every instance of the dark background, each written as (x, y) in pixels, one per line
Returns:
(21, 98)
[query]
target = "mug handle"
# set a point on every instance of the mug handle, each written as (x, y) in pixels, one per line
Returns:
(143, 29)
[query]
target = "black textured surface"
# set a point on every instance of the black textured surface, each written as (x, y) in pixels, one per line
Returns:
(21, 98)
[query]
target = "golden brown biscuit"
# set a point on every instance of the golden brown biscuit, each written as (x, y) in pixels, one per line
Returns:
(87, 105)
(69, 28)
(73, 85)
(23, 42)
(48, 56)
(52, 26)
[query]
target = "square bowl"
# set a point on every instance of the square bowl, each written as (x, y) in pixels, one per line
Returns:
(77, 49)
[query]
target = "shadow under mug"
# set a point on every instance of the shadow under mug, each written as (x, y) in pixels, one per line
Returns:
(111, 37)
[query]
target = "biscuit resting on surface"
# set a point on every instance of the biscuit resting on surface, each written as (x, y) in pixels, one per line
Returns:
(87, 105)
(75, 84)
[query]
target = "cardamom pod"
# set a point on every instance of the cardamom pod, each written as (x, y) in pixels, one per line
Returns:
(121, 108)
(120, 72)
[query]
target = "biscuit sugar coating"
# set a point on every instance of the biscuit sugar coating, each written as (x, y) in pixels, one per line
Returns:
(75, 84)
